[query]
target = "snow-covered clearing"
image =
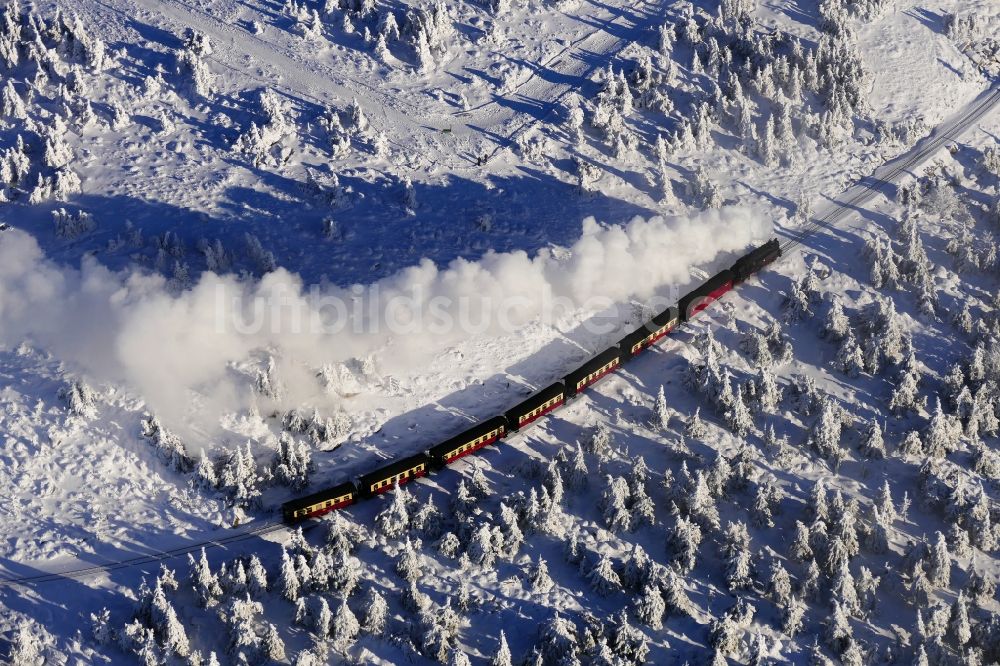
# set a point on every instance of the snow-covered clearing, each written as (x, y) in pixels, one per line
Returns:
(356, 150)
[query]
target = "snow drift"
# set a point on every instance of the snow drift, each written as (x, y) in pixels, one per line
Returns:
(175, 348)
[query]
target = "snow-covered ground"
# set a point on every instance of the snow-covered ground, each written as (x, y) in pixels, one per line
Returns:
(455, 153)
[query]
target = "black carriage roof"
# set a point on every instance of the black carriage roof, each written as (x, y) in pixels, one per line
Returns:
(658, 320)
(665, 317)
(393, 468)
(474, 432)
(598, 361)
(751, 260)
(765, 249)
(325, 494)
(708, 286)
(538, 398)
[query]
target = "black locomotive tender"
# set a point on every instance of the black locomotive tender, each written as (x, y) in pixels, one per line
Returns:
(539, 404)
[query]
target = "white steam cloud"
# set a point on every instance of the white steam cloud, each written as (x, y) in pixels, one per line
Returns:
(175, 348)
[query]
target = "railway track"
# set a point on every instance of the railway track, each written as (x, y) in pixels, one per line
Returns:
(840, 209)
(869, 186)
(151, 558)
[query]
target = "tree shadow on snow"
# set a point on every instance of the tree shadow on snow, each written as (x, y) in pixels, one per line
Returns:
(376, 235)
(932, 20)
(803, 11)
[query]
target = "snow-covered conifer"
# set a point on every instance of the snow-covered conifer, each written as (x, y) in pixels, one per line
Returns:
(541, 582)
(769, 394)
(272, 645)
(206, 586)
(873, 446)
(838, 629)
(643, 507)
(739, 570)
(408, 564)
(661, 413)
(603, 578)
(962, 319)
(844, 591)
(448, 545)
(458, 658)
(885, 509)
(980, 588)
(810, 581)
(205, 476)
(850, 357)
(345, 572)
(912, 445)
(837, 324)
(766, 499)
(512, 535)
(241, 615)
(747, 128)
(959, 542)
(780, 584)
(25, 646)
(256, 577)
(601, 441)
(637, 570)
(649, 607)
(168, 446)
(867, 590)
(576, 477)
(703, 191)
(825, 434)
(768, 144)
(695, 427)
(701, 505)
(725, 635)
(674, 595)
(959, 625)
(558, 641)
(288, 579)
(58, 153)
(738, 416)
(482, 549)
(100, 627)
(345, 627)
(939, 566)
(502, 656)
(11, 104)
(793, 616)
(322, 618)
(942, 433)
(628, 642)
(376, 614)
(394, 520)
(801, 548)
(614, 504)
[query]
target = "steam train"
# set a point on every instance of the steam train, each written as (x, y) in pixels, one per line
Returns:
(537, 405)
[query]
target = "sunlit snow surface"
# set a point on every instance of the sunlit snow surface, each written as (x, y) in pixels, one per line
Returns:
(82, 491)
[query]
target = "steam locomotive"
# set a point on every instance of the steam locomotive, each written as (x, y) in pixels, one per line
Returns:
(537, 405)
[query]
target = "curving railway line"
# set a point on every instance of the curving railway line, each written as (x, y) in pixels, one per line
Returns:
(869, 186)
(837, 211)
